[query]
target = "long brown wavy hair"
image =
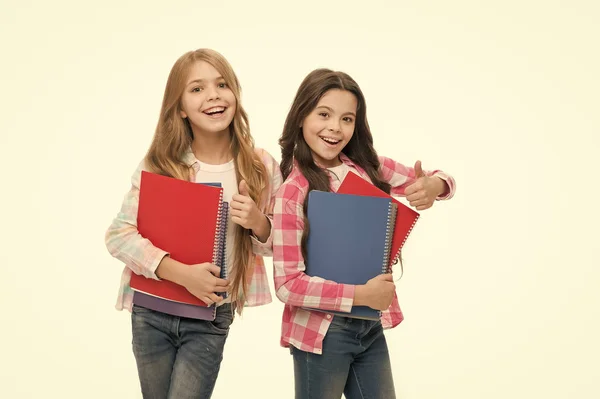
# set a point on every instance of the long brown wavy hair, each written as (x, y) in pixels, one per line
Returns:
(295, 149)
(173, 138)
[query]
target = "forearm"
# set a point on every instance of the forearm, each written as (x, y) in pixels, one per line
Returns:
(172, 270)
(299, 289)
(124, 242)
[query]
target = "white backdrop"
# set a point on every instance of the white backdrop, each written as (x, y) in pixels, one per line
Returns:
(500, 290)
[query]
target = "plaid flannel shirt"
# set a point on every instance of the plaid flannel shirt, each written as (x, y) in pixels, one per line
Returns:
(303, 328)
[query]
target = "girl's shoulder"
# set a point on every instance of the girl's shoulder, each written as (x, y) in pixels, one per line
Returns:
(267, 159)
(272, 169)
(294, 187)
(264, 155)
(136, 177)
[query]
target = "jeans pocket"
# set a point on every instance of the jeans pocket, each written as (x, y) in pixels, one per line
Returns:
(339, 323)
(137, 309)
(223, 319)
(142, 314)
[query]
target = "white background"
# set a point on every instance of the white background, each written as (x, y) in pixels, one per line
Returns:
(500, 291)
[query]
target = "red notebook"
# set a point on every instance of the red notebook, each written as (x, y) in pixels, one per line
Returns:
(405, 218)
(182, 218)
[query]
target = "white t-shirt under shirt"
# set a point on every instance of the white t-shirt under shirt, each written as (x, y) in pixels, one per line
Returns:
(224, 174)
(339, 172)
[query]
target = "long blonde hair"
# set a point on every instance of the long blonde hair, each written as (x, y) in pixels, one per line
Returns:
(173, 138)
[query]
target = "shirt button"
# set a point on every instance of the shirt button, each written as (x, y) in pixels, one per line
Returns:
(329, 316)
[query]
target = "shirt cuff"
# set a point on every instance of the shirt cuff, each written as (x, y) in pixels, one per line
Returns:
(263, 248)
(346, 297)
(156, 258)
(448, 193)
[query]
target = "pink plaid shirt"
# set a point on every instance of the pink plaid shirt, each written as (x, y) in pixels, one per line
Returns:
(141, 257)
(303, 328)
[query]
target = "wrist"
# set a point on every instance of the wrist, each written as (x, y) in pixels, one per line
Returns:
(360, 295)
(442, 186)
(262, 229)
(256, 226)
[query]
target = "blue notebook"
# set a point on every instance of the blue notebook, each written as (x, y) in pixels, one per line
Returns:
(349, 240)
(187, 310)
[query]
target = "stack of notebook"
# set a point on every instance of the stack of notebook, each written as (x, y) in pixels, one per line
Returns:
(355, 235)
(189, 221)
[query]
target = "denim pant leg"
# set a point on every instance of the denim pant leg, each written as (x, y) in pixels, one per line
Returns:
(178, 357)
(199, 358)
(155, 348)
(371, 372)
(355, 362)
(324, 376)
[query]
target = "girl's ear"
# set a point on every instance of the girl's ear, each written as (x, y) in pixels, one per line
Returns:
(183, 114)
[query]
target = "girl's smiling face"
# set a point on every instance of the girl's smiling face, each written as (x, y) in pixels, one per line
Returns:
(207, 101)
(330, 126)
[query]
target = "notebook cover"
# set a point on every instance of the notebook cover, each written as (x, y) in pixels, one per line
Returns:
(347, 240)
(184, 309)
(181, 218)
(174, 308)
(405, 218)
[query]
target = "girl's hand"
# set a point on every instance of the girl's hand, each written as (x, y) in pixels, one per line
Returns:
(424, 191)
(244, 211)
(378, 293)
(202, 281)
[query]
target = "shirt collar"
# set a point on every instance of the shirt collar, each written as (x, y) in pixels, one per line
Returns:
(190, 160)
(343, 157)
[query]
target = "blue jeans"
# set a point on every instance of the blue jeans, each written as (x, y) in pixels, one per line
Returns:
(355, 362)
(178, 357)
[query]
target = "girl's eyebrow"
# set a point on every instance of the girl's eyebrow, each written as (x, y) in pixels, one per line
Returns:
(331, 110)
(203, 80)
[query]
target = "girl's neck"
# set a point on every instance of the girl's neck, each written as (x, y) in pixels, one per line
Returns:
(212, 149)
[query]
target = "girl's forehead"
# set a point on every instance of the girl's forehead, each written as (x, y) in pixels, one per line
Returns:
(203, 71)
(338, 99)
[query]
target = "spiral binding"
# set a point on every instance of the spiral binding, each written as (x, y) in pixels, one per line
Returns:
(397, 255)
(222, 241)
(389, 229)
(218, 239)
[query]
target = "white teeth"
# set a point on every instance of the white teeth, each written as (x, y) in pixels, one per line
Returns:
(329, 140)
(214, 109)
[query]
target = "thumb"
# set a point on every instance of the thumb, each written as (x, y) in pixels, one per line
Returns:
(419, 170)
(243, 189)
(386, 277)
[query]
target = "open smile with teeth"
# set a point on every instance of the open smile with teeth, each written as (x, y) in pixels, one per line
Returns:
(215, 111)
(330, 141)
